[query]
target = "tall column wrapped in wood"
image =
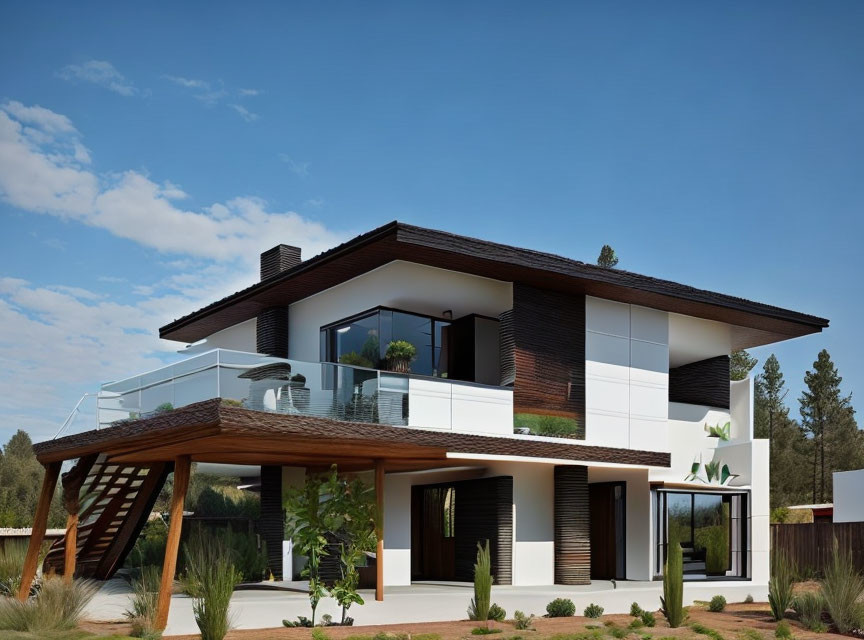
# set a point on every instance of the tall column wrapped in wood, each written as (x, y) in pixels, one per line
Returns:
(572, 526)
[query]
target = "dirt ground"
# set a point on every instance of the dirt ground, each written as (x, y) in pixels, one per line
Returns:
(730, 624)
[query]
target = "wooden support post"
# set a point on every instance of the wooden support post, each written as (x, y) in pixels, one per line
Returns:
(40, 522)
(172, 545)
(379, 555)
(70, 547)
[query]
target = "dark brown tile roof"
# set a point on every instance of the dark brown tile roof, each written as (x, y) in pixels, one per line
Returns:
(208, 418)
(400, 241)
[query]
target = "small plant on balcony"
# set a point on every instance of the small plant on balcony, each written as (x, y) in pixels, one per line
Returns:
(354, 359)
(298, 380)
(400, 354)
(716, 431)
(164, 407)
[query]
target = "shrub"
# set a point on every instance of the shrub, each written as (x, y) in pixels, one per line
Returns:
(618, 632)
(748, 599)
(809, 607)
(593, 611)
(484, 631)
(209, 565)
(319, 634)
(780, 585)
(149, 548)
(145, 594)
(648, 619)
(561, 608)
(480, 603)
(783, 630)
(750, 634)
(635, 610)
(57, 606)
(548, 425)
(12, 555)
(635, 623)
(717, 604)
(521, 621)
(706, 631)
(842, 588)
(497, 613)
(673, 586)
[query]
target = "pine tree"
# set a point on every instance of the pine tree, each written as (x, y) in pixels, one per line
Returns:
(740, 363)
(829, 419)
(607, 257)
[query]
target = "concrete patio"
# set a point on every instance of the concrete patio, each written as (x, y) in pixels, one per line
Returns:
(426, 602)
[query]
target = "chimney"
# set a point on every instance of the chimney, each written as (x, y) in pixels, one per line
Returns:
(278, 259)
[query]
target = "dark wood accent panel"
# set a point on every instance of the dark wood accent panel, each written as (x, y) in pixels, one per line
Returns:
(549, 352)
(278, 259)
(608, 521)
(484, 511)
(460, 349)
(572, 526)
(271, 524)
(272, 332)
(506, 348)
(705, 382)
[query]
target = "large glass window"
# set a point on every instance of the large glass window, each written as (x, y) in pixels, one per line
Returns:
(363, 340)
(711, 529)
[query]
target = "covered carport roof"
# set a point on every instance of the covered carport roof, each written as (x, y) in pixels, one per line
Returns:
(212, 432)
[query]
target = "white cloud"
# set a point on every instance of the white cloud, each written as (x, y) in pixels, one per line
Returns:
(47, 178)
(60, 340)
(250, 92)
(247, 115)
(205, 91)
(189, 83)
(299, 168)
(101, 73)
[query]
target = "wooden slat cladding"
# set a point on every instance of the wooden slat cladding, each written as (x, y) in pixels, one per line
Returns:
(705, 382)
(271, 524)
(549, 352)
(271, 335)
(506, 348)
(572, 526)
(811, 546)
(484, 511)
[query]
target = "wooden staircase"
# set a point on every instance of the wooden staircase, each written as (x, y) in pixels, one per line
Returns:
(115, 502)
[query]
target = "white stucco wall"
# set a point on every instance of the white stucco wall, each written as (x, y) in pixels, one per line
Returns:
(401, 285)
(849, 496)
(693, 339)
(626, 375)
(688, 441)
(239, 337)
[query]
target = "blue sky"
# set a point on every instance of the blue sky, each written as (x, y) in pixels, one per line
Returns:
(148, 152)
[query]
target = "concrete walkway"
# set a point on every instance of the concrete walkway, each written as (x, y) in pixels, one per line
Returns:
(427, 602)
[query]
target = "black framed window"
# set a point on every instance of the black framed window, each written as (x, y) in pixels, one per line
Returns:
(362, 340)
(711, 529)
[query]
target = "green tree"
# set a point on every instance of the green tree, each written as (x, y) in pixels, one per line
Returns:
(740, 364)
(828, 419)
(20, 483)
(607, 258)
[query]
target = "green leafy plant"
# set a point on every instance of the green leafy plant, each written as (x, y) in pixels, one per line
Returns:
(399, 355)
(635, 610)
(480, 603)
(164, 407)
(635, 623)
(561, 608)
(319, 634)
(717, 604)
(593, 611)
(842, 590)
(780, 584)
(748, 599)
(497, 613)
(673, 586)
(648, 618)
(783, 630)
(142, 611)
(521, 621)
(717, 431)
(484, 631)
(542, 425)
(809, 606)
(619, 633)
(750, 634)
(57, 606)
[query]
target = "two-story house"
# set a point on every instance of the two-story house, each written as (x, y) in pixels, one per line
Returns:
(577, 417)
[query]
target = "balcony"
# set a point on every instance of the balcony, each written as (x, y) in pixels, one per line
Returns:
(327, 390)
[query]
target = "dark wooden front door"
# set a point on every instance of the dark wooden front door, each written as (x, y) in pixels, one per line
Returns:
(607, 506)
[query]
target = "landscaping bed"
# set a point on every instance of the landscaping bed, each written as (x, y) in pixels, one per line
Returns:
(736, 622)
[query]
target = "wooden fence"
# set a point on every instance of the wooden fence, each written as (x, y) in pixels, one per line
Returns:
(811, 546)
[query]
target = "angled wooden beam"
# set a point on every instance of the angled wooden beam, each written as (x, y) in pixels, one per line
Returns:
(72, 482)
(379, 554)
(40, 522)
(172, 545)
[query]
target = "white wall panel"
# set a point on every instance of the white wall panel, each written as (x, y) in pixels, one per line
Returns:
(649, 325)
(429, 403)
(606, 316)
(849, 496)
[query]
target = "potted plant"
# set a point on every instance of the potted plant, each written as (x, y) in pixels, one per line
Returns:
(299, 393)
(400, 354)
